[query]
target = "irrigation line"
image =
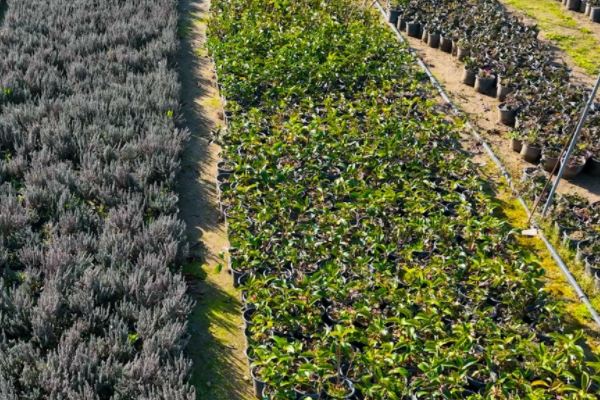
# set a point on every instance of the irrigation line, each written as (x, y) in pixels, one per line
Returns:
(563, 163)
(505, 174)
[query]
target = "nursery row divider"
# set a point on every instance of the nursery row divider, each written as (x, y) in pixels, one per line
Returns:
(557, 258)
(563, 164)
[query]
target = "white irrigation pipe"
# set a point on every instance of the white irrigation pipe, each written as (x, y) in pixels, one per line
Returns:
(488, 149)
(565, 160)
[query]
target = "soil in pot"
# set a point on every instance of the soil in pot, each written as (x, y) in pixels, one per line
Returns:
(573, 238)
(468, 77)
(574, 167)
(225, 167)
(338, 387)
(550, 159)
(531, 152)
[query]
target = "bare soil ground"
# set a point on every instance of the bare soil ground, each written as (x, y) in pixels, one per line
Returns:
(217, 344)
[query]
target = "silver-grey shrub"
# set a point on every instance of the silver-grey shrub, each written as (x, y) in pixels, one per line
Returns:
(91, 303)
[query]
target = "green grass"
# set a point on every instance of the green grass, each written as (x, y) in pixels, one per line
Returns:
(215, 327)
(564, 31)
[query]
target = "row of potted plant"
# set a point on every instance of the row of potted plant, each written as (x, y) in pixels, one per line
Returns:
(590, 8)
(500, 51)
(371, 263)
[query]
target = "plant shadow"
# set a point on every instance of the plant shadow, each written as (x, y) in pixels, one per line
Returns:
(216, 346)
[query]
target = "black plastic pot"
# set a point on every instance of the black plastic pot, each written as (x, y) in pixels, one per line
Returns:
(445, 45)
(561, 228)
(516, 144)
(468, 77)
(248, 355)
(529, 173)
(581, 254)
(401, 24)
(475, 384)
(328, 318)
(413, 29)
(346, 383)
(549, 163)
(592, 166)
(502, 92)
(259, 386)
(530, 153)
(484, 85)
(433, 40)
(574, 169)
(583, 5)
(506, 117)
(462, 53)
(573, 5)
(223, 169)
(247, 316)
(595, 14)
(392, 15)
(590, 265)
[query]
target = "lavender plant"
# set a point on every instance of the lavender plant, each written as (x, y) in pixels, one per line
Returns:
(91, 304)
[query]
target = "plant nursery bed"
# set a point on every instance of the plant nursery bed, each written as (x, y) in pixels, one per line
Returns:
(371, 262)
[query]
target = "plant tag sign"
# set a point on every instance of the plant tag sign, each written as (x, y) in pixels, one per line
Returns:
(530, 232)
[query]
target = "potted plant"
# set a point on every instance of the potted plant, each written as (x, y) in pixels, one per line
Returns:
(484, 81)
(505, 86)
(507, 111)
(413, 28)
(516, 142)
(531, 149)
(469, 71)
(574, 165)
(549, 159)
(463, 50)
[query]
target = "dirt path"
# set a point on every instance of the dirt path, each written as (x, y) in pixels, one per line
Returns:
(217, 344)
